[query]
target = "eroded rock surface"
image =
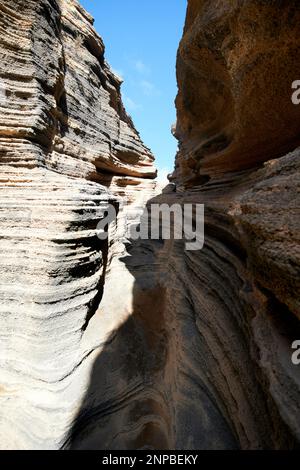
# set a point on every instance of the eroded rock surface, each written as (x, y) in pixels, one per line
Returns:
(68, 149)
(143, 344)
(236, 63)
(218, 324)
(236, 124)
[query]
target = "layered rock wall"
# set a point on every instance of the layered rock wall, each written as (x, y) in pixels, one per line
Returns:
(68, 149)
(142, 343)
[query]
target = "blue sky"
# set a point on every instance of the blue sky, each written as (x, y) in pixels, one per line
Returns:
(141, 39)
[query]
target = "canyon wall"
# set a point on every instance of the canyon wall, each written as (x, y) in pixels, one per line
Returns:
(130, 343)
(238, 133)
(68, 149)
(204, 357)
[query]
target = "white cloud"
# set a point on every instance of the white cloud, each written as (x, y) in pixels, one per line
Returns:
(130, 105)
(149, 89)
(141, 67)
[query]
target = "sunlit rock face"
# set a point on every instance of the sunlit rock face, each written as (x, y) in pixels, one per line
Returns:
(126, 343)
(236, 64)
(68, 149)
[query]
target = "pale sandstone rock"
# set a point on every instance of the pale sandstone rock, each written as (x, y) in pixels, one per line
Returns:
(68, 149)
(186, 350)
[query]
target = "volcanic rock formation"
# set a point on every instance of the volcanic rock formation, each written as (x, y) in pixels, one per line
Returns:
(144, 344)
(236, 124)
(68, 149)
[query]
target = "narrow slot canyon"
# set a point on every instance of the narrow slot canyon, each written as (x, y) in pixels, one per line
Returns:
(130, 343)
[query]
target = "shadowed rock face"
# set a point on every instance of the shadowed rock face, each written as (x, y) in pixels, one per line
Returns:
(113, 345)
(237, 301)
